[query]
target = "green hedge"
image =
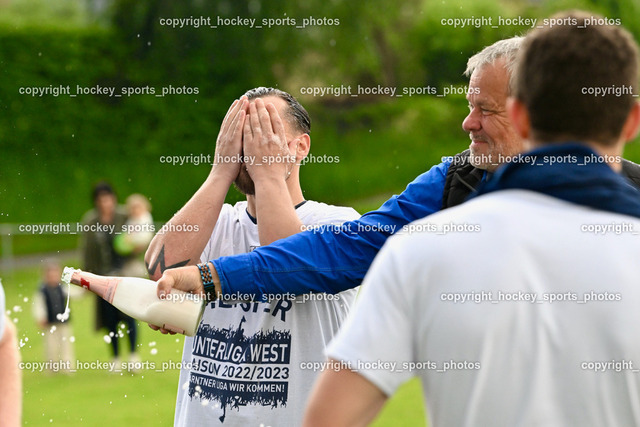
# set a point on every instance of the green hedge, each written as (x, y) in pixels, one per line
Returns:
(53, 149)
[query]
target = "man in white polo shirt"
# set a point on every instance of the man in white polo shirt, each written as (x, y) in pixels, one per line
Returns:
(251, 362)
(530, 318)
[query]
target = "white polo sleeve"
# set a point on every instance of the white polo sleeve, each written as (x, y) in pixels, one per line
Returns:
(376, 340)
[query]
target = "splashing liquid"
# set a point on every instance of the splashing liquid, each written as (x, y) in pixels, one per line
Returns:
(65, 316)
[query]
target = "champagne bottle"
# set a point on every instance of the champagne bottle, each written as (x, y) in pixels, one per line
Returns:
(179, 312)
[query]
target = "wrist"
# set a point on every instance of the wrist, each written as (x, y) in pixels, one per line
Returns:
(269, 178)
(268, 187)
(221, 175)
(210, 280)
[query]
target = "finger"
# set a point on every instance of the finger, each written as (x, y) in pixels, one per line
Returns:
(239, 125)
(245, 110)
(276, 121)
(263, 114)
(244, 106)
(165, 284)
(233, 124)
(255, 121)
(245, 103)
(248, 135)
(230, 114)
(154, 327)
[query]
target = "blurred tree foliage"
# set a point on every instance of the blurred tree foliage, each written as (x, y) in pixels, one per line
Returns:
(370, 43)
(54, 148)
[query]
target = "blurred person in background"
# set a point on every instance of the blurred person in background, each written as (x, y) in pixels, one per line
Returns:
(10, 375)
(520, 361)
(49, 306)
(134, 241)
(99, 256)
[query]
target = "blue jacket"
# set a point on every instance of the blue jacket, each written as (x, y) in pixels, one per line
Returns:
(331, 258)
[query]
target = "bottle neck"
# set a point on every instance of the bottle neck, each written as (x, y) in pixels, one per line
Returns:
(104, 287)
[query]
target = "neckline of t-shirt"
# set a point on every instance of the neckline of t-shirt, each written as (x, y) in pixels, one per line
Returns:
(255, 220)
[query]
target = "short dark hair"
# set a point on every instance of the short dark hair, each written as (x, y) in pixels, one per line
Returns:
(101, 188)
(555, 65)
(298, 116)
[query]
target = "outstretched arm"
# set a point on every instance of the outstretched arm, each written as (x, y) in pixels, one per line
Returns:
(331, 258)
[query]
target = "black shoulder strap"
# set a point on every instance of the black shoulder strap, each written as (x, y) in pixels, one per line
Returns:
(462, 179)
(631, 171)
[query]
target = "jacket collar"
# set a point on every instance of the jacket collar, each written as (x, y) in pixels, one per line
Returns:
(579, 178)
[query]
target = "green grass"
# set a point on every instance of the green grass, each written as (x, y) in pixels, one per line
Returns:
(98, 397)
(90, 397)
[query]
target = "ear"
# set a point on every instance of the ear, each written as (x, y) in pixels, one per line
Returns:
(519, 116)
(300, 146)
(632, 124)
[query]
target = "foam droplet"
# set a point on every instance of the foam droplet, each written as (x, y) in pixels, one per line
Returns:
(66, 278)
(63, 317)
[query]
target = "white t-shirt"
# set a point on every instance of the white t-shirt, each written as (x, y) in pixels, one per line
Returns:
(249, 363)
(498, 362)
(2, 316)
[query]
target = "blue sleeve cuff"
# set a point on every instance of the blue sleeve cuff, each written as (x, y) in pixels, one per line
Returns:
(235, 271)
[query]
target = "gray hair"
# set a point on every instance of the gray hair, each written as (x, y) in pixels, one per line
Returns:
(507, 49)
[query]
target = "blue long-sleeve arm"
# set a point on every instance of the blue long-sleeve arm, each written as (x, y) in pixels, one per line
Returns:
(330, 258)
